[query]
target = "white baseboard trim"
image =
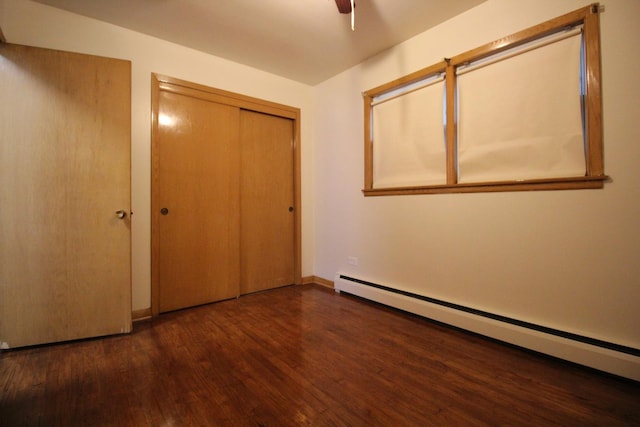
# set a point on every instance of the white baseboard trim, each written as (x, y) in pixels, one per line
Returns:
(594, 356)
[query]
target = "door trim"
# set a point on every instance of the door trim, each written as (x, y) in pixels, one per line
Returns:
(169, 84)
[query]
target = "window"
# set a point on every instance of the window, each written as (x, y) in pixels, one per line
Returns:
(521, 113)
(409, 130)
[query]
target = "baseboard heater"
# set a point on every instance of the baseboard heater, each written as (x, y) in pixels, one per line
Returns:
(596, 353)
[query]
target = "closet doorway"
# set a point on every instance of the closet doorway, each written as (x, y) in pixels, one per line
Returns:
(225, 195)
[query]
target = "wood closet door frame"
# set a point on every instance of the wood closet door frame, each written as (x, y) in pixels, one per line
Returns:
(164, 83)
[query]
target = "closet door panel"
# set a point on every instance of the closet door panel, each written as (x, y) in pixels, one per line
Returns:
(267, 201)
(196, 204)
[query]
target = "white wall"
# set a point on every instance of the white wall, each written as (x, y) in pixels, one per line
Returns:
(564, 259)
(29, 23)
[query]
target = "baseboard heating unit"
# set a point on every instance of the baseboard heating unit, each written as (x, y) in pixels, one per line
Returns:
(599, 354)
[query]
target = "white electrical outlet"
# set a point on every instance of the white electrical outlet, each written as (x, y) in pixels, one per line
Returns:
(352, 260)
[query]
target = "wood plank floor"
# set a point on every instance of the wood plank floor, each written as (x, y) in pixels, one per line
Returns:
(302, 356)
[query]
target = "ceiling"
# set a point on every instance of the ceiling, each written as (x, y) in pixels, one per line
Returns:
(303, 40)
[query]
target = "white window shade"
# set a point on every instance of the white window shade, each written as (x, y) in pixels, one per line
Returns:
(520, 117)
(408, 138)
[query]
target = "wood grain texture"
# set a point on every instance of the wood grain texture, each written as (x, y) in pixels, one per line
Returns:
(317, 280)
(521, 37)
(196, 147)
(65, 141)
(576, 183)
(451, 125)
(267, 234)
(171, 84)
(163, 88)
(595, 165)
(303, 355)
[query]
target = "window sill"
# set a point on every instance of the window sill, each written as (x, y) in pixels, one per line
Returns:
(576, 183)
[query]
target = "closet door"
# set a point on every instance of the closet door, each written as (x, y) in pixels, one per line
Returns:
(196, 201)
(267, 218)
(225, 201)
(65, 255)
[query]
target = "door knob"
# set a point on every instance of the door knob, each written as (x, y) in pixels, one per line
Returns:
(290, 208)
(121, 214)
(164, 211)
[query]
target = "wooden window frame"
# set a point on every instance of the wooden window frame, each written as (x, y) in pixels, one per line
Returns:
(594, 178)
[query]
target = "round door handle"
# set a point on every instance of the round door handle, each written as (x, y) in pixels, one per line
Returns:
(164, 211)
(290, 208)
(121, 214)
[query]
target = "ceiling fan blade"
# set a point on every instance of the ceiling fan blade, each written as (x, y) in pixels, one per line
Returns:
(344, 6)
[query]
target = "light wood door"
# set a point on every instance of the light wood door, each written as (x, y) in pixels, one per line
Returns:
(267, 245)
(196, 202)
(65, 257)
(226, 167)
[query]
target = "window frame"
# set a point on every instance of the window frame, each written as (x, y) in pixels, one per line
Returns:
(594, 178)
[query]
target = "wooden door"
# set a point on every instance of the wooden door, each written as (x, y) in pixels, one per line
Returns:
(267, 245)
(195, 204)
(65, 256)
(226, 167)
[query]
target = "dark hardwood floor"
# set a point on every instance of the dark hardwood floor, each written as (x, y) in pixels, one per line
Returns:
(302, 356)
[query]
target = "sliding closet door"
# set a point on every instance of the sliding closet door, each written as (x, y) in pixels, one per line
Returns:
(65, 255)
(225, 198)
(195, 203)
(267, 201)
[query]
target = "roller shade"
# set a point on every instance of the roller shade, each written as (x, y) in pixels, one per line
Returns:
(520, 117)
(408, 137)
